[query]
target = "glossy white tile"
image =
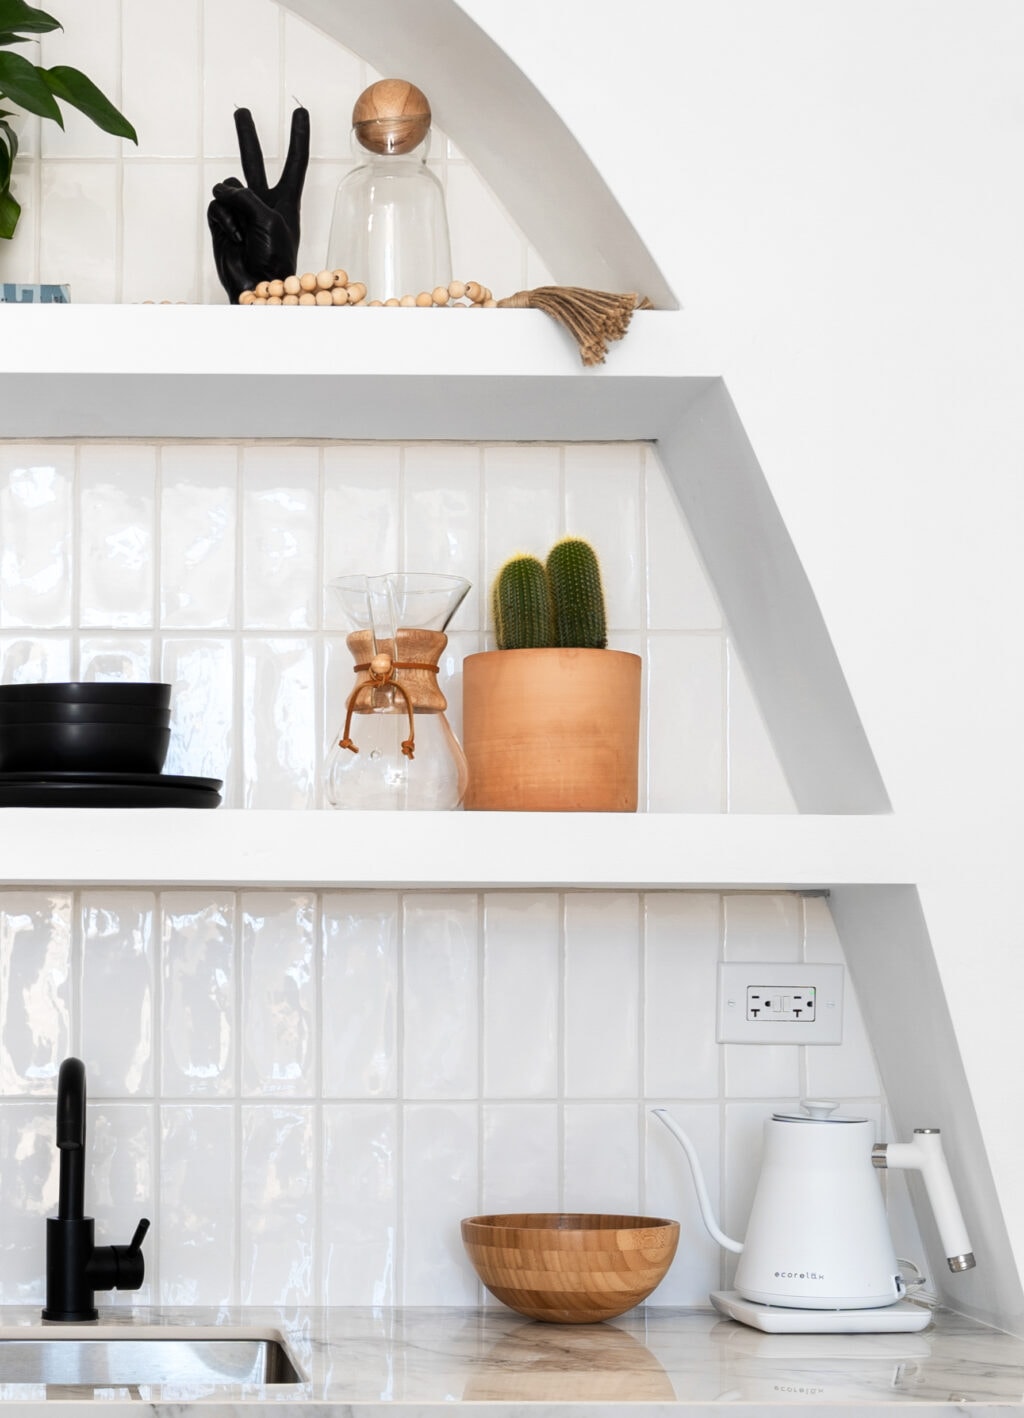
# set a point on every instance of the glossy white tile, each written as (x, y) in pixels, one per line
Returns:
(520, 1151)
(847, 1070)
(198, 945)
(26, 659)
(603, 504)
(440, 974)
(359, 1193)
(280, 514)
(29, 1186)
(440, 1185)
(121, 1141)
(36, 999)
(278, 1237)
(360, 992)
(522, 994)
(198, 524)
(680, 595)
(279, 994)
(441, 515)
(203, 734)
(280, 746)
(602, 1157)
(168, 93)
(115, 657)
(240, 75)
(602, 995)
(196, 1243)
(360, 516)
(117, 511)
(37, 520)
(682, 946)
(117, 989)
(159, 250)
(685, 727)
(84, 40)
(669, 1192)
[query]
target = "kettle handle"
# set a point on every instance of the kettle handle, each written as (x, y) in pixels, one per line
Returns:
(703, 1200)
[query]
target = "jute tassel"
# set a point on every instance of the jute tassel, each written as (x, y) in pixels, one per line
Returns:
(592, 316)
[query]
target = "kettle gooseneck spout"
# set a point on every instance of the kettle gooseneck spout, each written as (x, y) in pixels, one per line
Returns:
(703, 1200)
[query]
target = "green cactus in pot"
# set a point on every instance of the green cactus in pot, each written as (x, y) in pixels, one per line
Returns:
(558, 603)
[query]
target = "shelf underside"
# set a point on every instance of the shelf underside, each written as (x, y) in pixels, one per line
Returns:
(447, 851)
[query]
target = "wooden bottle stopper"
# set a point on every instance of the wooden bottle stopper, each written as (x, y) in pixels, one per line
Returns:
(391, 116)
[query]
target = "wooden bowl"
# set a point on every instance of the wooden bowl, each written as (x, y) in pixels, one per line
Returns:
(570, 1267)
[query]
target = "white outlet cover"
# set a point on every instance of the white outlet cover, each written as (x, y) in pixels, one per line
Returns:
(779, 983)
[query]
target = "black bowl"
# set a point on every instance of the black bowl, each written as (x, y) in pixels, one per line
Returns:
(35, 711)
(95, 748)
(89, 692)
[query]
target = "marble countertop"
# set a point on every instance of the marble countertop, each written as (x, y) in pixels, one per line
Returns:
(652, 1362)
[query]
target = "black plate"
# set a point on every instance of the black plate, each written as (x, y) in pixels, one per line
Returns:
(71, 789)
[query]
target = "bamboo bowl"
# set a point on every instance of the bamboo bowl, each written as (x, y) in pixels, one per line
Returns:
(570, 1268)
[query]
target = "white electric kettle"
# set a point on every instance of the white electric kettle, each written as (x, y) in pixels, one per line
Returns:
(817, 1238)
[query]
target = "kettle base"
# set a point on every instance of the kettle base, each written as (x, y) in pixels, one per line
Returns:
(902, 1317)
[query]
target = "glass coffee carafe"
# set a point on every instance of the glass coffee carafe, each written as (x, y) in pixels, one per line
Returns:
(396, 748)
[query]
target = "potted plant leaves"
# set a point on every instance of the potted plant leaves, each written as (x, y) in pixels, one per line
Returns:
(33, 89)
(551, 718)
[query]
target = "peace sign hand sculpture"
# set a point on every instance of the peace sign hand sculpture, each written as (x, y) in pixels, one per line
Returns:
(255, 229)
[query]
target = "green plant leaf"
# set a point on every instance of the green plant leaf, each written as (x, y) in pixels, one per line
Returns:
(17, 17)
(72, 86)
(10, 211)
(8, 152)
(26, 86)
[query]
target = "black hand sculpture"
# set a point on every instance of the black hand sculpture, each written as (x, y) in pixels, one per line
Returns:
(255, 229)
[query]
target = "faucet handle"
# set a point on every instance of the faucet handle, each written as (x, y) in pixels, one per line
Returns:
(135, 1244)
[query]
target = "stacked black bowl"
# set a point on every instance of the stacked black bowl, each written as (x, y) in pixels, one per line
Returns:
(100, 744)
(106, 727)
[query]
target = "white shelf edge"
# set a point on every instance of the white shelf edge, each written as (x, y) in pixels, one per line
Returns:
(102, 847)
(219, 371)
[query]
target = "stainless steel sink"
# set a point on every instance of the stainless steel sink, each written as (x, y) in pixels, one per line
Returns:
(127, 1360)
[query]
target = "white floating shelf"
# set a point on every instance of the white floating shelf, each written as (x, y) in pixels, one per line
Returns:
(162, 848)
(220, 371)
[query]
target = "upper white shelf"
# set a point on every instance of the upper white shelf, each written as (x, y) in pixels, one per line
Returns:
(195, 371)
(447, 851)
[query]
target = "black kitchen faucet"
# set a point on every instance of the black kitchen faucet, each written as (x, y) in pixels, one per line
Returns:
(75, 1266)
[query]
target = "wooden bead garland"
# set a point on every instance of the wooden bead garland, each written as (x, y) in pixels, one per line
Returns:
(335, 288)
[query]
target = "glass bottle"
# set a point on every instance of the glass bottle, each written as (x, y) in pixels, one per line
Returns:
(396, 749)
(389, 229)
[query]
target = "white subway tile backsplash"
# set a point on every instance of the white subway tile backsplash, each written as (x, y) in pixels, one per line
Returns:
(602, 1158)
(359, 1198)
(522, 995)
(279, 994)
(360, 992)
(204, 738)
(679, 593)
(160, 253)
(280, 743)
(79, 207)
(442, 1187)
(670, 1193)
(241, 48)
(603, 504)
(163, 100)
(682, 947)
(198, 1023)
(26, 659)
(360, 516)
(756, 782)
(520, 1149)
(87, 39)
(37, 518)
(685, 748)
(37, 996)
(280, 515)
(117, 511)
(440, 1049)
(441, 516)
(198, 532)
(121, 1140)
(278, 1236)
(117, 989)
(28, 1185)
(602, 995)
(116, 657)
(195, 1243)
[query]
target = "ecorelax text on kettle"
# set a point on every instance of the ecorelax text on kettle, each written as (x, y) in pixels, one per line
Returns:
(817, 1238)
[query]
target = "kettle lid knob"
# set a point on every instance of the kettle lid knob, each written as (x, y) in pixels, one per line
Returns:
(818, 1107)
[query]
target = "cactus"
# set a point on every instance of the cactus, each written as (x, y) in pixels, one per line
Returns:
(521, 605)
(575, 580)
(560, 604)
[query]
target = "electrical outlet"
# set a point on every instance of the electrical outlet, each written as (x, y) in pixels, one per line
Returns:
(780, 1004)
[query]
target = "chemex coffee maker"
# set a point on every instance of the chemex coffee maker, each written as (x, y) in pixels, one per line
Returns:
(818, 1256)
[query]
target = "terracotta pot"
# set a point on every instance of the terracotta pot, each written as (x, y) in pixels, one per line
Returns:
(551, 730)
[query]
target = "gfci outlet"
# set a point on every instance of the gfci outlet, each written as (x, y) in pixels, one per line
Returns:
(780, 1004)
